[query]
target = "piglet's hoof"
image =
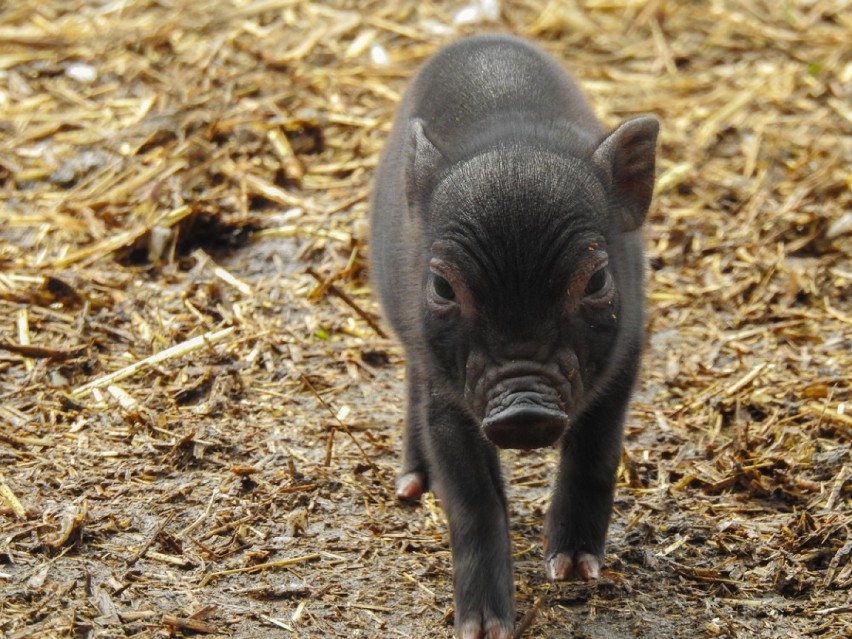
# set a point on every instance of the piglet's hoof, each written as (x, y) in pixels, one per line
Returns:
(563, 566)
(410, 486)
(492, 630)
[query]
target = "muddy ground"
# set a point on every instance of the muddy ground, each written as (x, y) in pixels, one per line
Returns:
(188, 182)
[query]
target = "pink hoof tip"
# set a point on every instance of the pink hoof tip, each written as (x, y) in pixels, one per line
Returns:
(560, 567)
(588, 567)
(493, 630)
(410, 487)
(563, 566)
(500, 632)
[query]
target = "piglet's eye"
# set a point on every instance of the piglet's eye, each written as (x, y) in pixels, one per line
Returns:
(443, 289)
(597, 282)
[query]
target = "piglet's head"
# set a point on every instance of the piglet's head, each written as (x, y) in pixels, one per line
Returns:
(522, 298)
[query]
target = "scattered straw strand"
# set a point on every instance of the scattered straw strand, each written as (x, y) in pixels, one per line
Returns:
(177, 350)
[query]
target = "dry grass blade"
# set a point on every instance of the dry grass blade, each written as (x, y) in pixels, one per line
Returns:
(178, 350)
(285, 563)
(12, 500)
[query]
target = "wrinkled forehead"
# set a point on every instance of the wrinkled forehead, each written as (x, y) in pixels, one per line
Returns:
(515, 184)
(518, 225)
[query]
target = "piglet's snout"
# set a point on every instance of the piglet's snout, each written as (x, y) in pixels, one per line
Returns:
(524, 412)
(525, 426)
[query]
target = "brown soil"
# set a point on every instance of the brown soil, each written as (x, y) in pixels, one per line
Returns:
(171, 170)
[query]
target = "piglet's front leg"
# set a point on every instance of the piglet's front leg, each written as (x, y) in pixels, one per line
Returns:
(465, 475)
(413, 478)
(575, 530)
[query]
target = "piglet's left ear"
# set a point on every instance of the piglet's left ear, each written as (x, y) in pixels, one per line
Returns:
(627, 157)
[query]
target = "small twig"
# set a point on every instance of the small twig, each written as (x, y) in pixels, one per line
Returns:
(231, 524)
(25, 441)
(331, 288)
(151, 538)
(371, 607)
(745, 380)
(836, 489)
(840, 556)
(825, 408)
(189, 624)
(182, 562)
(201, 517)
(223, 274)
(417, 583)
(346, 430)
(275, 622)
(258, 567)
(268, 593)
(526, 622)
(42, 352)
(832, 610)
(720, 391)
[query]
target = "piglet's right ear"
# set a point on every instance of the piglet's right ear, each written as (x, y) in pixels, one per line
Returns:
(423, 160)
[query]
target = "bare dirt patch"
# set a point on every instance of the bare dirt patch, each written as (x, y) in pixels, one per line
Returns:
(199, 420)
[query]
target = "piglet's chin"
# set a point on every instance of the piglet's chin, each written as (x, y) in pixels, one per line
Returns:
(525, 426)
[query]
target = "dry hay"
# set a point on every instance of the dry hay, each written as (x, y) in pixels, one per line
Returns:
(199, 417)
